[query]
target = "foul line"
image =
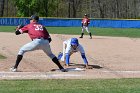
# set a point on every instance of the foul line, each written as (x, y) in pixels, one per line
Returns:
(34, 75)
(106, 71)
(56, 75)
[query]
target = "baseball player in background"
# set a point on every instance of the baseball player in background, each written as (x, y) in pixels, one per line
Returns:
(85, 22)
(71, 46)
(40, 40)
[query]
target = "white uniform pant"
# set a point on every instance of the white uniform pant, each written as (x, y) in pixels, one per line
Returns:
(37, 44)
(85, 28)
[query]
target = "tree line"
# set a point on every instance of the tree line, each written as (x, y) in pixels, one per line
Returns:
(71, 8)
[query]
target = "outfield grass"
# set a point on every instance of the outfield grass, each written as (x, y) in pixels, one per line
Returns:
(74, 86)
(71, 86)
(7, 28)
(118, 32)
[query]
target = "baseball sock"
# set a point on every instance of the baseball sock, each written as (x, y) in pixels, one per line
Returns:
(90, 35)
(55, 60)
(19, 58)
(82, 35)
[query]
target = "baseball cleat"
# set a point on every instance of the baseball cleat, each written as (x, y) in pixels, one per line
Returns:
(63, 70)
(13, 69)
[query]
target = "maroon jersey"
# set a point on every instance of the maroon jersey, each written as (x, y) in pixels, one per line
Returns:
(35, 30)
(85, 21)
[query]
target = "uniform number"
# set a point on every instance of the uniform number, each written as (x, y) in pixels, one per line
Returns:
(38, 27)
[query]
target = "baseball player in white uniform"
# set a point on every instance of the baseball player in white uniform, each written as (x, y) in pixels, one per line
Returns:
(71, 46)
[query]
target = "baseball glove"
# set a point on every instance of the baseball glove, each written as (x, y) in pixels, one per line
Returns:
(50, 39)
(17, 29)
(85, 24)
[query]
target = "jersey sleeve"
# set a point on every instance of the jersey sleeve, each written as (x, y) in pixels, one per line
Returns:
(67, 59)
(24, 29)
(68, 49)
(67, 53)
(46, 31)
(67, 42)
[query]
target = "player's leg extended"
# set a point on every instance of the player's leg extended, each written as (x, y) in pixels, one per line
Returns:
(27, 47)
(46, 48)
(87, 29)
(83, 28)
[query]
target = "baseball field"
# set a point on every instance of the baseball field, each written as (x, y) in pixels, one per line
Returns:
(113, 54)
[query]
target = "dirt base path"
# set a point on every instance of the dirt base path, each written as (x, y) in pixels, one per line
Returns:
(111, 57)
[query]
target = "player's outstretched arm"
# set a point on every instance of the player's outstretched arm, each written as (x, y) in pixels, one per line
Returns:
(86, 62)
(17, 29)
(67, 59)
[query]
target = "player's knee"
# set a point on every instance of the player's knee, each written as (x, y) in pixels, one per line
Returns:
(21, 52)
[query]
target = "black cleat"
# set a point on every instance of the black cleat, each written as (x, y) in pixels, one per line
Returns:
(63, 70)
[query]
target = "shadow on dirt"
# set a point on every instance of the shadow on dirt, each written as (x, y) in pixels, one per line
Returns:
(83, 66)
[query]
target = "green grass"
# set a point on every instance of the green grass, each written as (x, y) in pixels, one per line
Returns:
(7, 28)
(117, 32)
(70, 86)
(74, 86)
(2, 57)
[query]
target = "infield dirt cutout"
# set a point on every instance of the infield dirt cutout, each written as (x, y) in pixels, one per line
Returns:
(111, 57)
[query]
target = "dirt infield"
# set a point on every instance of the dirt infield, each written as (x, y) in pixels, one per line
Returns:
(111, 57)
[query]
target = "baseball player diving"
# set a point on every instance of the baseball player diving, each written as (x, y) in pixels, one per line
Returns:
(85, 23)
(71, 46)
(40, 40)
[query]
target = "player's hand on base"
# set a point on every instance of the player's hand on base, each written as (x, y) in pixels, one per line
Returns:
(67, 65)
